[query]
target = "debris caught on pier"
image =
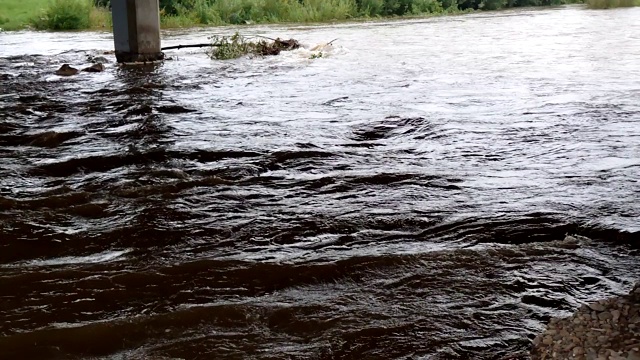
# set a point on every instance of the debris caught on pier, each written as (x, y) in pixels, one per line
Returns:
(235, 46)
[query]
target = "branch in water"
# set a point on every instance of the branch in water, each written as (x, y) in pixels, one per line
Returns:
(186, 46)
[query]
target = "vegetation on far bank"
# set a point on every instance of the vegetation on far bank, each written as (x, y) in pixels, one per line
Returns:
(15, 13)
(94, 14)
(71, 15)
(610, 4)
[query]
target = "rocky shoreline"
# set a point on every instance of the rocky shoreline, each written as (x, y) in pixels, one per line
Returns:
(605, 330)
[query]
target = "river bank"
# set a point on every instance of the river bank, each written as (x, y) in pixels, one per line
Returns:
(608, 329)
(85, 14)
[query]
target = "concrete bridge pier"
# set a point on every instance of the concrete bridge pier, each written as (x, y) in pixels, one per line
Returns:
(136, 30)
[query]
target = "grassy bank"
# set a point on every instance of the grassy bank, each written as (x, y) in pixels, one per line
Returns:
(610, 4)
(71, 15)
(15, 14)
(53, 15)
(87, 14)
(222, 12)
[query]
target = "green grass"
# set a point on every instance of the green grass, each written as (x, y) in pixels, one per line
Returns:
(65, 15)
(71, 15)
(82, 14)
(16, 14)
(52, 15)
(237, 12)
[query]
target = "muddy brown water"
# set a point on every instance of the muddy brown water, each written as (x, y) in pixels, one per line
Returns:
(404, 196)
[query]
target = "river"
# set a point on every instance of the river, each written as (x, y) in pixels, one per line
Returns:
(407, 195)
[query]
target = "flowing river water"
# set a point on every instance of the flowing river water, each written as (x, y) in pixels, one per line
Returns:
(407, 195)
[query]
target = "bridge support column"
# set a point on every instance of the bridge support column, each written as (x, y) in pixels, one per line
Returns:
(136, 30)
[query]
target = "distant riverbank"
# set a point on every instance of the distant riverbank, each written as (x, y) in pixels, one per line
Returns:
(87, 14)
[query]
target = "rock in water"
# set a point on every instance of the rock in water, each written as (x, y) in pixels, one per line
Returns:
(99, 60)
(94, 68)
(66, 70)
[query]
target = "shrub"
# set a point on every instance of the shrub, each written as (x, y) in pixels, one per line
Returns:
(66, 15)
(204, 14)
(370, 7)
(237, 11)
(609, 4)
(100, 18)
(426, 7)
(492, 4)
(319, 10)
(170, 7)
(450, 5)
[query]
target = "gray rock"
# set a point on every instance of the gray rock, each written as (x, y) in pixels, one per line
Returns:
(602, 339)
(615, 314)
(575, 339)
(100, 60)
(596, 307)
(614, 355)
(537, 341)
(605, 315)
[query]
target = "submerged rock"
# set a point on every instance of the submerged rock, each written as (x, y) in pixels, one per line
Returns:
(174, 109)
(94, 68)
(99, 60)
(51, 139)
(66, 70)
